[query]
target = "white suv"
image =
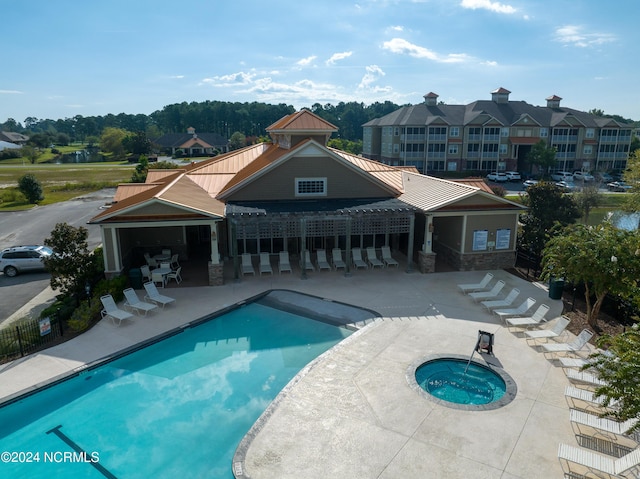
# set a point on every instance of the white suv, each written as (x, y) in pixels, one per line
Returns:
(19, 259)
(562, 176)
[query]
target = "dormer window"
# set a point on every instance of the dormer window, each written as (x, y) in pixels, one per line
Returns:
(311, 187)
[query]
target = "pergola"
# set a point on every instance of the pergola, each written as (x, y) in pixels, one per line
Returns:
(336, 220)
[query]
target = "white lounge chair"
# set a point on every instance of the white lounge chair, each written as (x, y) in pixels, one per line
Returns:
(336, 257)
(265, 264)
(283, 262)
(372, 258)
(135, 304)
(502, 303)
(521, 310)
(609, 429)
(536, 319)
(486, 295)
(583, 377)
(112, 311)
(555, 331)
(321, 256)
(387, 259)
(356, 258)
(308, 265)
(586, 398)
(597, 464)
(574, 346)
(154, 296)
(471, 287)
(247, 265)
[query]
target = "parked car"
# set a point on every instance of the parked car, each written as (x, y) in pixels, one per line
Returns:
(583, 176)
(20, 259)
(513, 175)
(620, 186)
(528, 183)
(498, 177)
(562, 176)
(566, 186)
(604, 177)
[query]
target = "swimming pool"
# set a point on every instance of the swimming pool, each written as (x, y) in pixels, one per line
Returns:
(178, 407)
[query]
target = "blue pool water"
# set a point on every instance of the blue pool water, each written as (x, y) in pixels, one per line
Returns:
(177, 408)
(447, 380)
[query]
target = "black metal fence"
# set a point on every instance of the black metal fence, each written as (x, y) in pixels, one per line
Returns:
(529, 262)
(24, 337)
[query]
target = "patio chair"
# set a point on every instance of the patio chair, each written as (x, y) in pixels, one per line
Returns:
(491, 294)
(608, 429)
(587, 399)
(583, 377)
(336, 256)
(265, 264)
(356, 257)
(321, 256)
(146, 272)
(158, 277)
(387, 259)
(521, 310)
(112, 311)
(174, 261)
(166, 252)
(555, 331)
(175, 275)
(588, 461)
(135, 304)
(152, 263)
(535, 319)
(574, 346)
(471, 287)
(502, 303)
(308, 265)
(154, 296)
(247, 265)
(165, 265)
(283, 262)
(372, 258)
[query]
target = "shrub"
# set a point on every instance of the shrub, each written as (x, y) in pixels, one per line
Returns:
(84, 315)
(31, 188)
(499, 190)
(113, 286)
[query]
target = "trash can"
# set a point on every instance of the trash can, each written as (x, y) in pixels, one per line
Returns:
(556, 286)
(135, 278)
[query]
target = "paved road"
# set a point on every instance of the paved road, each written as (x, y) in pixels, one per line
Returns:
(32, 227)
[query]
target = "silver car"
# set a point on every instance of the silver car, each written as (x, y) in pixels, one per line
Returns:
(20, 259)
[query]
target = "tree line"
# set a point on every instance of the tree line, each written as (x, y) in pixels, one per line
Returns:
(224, 118)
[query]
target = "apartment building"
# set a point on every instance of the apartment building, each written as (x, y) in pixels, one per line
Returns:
(494, 135)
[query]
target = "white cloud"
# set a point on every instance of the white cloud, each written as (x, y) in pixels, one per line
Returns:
(401, 46)
(306, 61)
(488, 5)
(575, 35)
(338, 56)
(397, 28)
(373, 73)
(10, 92)
(233, 79)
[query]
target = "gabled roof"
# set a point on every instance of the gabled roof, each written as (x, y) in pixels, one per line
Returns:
(301, 121)
(175, 140)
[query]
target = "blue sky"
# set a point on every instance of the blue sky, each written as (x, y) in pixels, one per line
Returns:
(82, 57)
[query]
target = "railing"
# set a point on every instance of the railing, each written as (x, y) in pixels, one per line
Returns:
(24, 338)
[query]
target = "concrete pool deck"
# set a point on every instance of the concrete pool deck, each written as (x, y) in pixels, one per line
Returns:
(353, 412)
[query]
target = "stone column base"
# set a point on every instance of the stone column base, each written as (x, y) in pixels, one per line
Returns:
(215, 274)
(426, 262)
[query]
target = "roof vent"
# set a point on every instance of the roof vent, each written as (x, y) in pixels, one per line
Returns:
(431, 99)
(501, 95)
(553, 101)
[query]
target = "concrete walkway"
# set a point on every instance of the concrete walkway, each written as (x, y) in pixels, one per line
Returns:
(352, 413)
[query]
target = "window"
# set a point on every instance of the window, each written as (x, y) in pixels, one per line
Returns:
(504, 132)
(453, 149)
(395, 148)
(311, 187)
(454, 131)
(588, 149)
(396, 131)
(503, 149)
(590, 133)
(544, 132)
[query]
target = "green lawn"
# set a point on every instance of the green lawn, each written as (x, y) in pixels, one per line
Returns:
(59, 182)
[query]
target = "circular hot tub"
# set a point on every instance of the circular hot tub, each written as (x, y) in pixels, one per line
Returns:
(454, 381)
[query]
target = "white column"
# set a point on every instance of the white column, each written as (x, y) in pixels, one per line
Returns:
(215, 254)
(428, 235)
